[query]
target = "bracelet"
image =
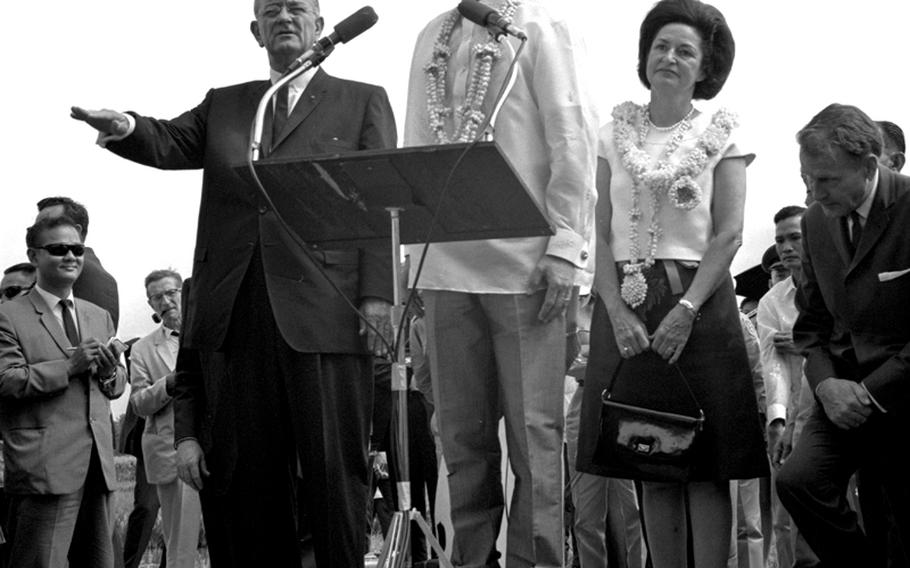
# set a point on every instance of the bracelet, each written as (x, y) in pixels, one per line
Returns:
(688, 305)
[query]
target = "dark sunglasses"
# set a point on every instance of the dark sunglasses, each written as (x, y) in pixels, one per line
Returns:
(60, 249)
(11, 292)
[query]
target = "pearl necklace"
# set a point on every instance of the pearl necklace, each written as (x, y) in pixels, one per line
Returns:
(469, 116)
(683, 120)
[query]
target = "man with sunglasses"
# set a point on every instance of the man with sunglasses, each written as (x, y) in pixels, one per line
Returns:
(17, 279)
(57, 377)
(95, 284)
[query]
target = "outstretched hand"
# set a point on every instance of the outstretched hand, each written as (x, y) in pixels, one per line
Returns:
(104, 121)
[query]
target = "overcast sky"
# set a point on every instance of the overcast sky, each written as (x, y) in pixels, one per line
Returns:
(159, 58)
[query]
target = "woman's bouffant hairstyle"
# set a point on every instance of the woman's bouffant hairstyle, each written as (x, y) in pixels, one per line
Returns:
(718, 47)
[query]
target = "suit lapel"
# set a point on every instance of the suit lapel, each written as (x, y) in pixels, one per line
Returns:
(307, 102)
(49, 321)
(87, 323)
(879, 217)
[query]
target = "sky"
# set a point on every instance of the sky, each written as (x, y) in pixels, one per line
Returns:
(159, 58)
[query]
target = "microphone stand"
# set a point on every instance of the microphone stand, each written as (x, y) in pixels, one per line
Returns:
(317, 57)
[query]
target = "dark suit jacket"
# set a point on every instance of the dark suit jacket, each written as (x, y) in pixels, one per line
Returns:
(49, 420)
(854, 320)
(332, 116)
(97, 286)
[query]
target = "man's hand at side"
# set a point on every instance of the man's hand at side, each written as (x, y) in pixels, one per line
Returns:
(191, 466)
(559, 274)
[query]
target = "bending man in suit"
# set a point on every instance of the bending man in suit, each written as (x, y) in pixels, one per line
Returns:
(153, 360)
(57, 376)
(854, 330)
(277, 379)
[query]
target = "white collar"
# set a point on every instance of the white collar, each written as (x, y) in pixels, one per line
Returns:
(866, 205)
(52, 299)
(300, 82)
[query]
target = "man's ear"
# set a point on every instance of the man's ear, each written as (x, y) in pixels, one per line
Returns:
(30, 253)
(870, 166)
(254, 29)
(898, 159)
(320, 24)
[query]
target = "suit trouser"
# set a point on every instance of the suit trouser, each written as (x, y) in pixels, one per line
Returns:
(181, 518)
(746, 493)
(812, 485)
(491, 358)
(48, 530)
(142, 518)
(300, 428)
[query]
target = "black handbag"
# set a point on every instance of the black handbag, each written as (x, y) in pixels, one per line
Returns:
(646, 444)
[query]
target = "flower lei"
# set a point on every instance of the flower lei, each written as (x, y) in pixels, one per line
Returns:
(469, 116)
(678, 181)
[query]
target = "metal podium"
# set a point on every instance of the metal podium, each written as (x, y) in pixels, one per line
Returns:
(452, 192)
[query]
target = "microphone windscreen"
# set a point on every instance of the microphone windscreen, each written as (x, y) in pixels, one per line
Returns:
(355, 24)
(475, 11)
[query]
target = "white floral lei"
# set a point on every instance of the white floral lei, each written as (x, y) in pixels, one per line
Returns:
(470, 115)
(678, 182)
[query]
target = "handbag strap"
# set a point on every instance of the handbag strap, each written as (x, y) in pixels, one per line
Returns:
(608, 391)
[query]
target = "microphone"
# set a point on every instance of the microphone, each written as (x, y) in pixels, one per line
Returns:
(155, 317)
(346, 30)
(490, 19)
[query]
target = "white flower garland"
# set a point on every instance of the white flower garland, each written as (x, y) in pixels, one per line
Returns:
(470, 115)
(678, 182)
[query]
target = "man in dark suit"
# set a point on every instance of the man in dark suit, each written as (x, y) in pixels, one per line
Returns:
(274, 377)
(95, 285)
(57, 376)
(854, 330)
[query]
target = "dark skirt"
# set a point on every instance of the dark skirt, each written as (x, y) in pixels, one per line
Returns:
(715, 364)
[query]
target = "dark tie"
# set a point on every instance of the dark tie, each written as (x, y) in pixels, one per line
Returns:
(69, 326)
(282, 101)
(857, 231)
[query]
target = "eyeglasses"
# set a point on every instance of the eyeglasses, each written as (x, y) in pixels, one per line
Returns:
(11, 292)
(169, 294)
(60, 249)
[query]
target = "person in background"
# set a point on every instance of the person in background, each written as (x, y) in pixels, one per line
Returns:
(853, 328)
(894, 148)
(17, 280)
(152, 378)
(96, 284)
(672, 185)
(59, 369)
(788, 396)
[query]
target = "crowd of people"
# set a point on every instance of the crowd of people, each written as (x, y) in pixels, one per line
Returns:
(254, 406)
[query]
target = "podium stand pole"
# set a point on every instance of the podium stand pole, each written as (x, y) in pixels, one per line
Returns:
(396, 550)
